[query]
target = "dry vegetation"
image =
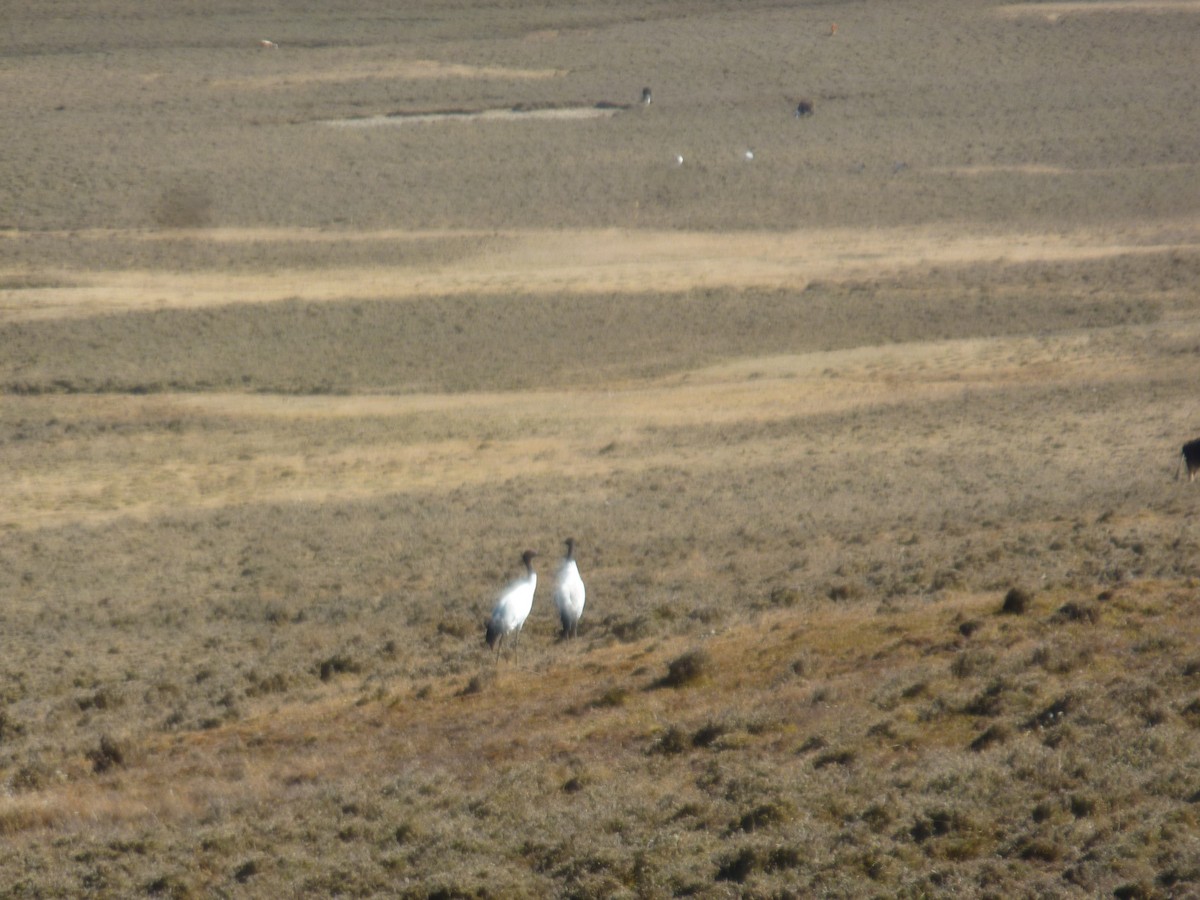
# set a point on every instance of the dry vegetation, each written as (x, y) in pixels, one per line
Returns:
(867, 445)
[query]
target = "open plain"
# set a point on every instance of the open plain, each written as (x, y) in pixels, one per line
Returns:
(867, 439)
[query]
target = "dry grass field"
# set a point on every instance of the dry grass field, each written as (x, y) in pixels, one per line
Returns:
(867, 443)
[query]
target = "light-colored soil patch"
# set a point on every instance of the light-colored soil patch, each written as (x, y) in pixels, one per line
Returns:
(583, 262)
(558, 114)
(1055, 11)
(1048, 170)
(413, 70)
(201, 471)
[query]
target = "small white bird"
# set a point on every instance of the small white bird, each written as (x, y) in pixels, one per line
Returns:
(268, 45)
(678, 159)
(749, 154)
(512, 605)
(569, 593)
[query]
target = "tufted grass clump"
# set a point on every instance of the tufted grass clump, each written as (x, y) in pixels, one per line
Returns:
(691, 668)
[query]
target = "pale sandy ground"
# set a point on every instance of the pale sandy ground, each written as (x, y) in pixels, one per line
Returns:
(414, 69)
(571, 261)
(167, 473)
(190, 474)
(1055, 11)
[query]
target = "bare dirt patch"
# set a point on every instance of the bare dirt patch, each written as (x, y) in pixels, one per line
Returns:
(1055, 11)
(568, 261)
(550, 114)
(417, 69)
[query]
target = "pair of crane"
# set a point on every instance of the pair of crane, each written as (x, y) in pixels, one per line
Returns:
(516, 600)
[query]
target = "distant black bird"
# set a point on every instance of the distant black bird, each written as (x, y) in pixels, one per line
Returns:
(646, 96)
(804, 108)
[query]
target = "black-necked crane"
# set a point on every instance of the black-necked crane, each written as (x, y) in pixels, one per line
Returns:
(512, 605)
(569, 592)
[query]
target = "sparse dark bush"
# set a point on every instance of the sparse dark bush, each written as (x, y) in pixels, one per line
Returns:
(111, 753)
(946, 579)
(1155, 715)
(763, 816)
(990, 702)
(917, 689)
(612, 698)
(672, 741)
(275, 683)
(246, 871)
(456, 628)
(1082, 806)
(474, 686)
(1077, 612)
(9, 727)
(1135, 890)
(968, 628)
(843, 591)
(1040, 850)
(816, 742)
(1191, 713)
(708, 734)
(29, 778)
(1016, 602)
(784, 596)
(688, 811)
(885, 730)
(738, 867)
(103, 699)
(971, 662)
(337, 665)
(936, 823)
(995, 734)
(627, 630)
(835, 758)
(878, 816)
(783, 858)
(691, 668)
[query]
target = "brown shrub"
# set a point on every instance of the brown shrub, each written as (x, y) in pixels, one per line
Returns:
(1016, 602)
(690, 668)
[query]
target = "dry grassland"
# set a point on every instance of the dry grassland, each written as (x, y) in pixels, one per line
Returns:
(867, 444)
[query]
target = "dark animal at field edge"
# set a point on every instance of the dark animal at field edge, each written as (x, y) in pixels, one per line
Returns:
(1190, 456)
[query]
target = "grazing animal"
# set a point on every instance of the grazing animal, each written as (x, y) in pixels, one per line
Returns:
(569, 593)
(512, 605)
(646, 96)
(1190, 457)
(804, 108)
(268, 45)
